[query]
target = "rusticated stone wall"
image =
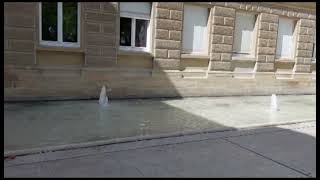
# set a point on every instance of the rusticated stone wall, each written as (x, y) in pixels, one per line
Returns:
(223, 20)
(167, 39)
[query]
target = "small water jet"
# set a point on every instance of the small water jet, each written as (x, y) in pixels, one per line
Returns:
(274, 103)
(103, 99)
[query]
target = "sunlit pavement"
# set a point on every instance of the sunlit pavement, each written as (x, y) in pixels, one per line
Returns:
(277, 151)
(34, 126)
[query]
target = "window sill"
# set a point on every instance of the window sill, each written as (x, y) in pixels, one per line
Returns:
(134, 53)
(194, 56)
(60, 49)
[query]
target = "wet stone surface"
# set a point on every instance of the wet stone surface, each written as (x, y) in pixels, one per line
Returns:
(40, 124)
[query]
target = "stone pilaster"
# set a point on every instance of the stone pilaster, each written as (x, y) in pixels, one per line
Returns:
(19, 33)
(221, 38)
(304, 47)
(100, 33)
(267, 41)
(168, 35)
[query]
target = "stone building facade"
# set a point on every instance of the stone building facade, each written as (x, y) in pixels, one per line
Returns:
(33, 71)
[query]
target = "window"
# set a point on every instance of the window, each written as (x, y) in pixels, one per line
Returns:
(195, 36)
(59, 24)
(314, 53)
(134, 26)
(244, 35)
(286, 39)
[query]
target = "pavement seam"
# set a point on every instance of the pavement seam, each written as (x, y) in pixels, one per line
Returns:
(268, 158)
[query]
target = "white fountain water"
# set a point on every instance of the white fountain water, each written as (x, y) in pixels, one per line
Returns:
(274, 103)
(103, 100)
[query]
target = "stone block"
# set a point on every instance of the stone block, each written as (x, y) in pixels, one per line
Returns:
(110, 7)
(175, 35)
(269, 59)
(272, 43)
(109, 28)
(229, 21)
(170, 5)
(304, 53)
(267, 34)
(299, 60)
(263, 9)
(162, 34)
(302, 68)
(176, 15)
(219, 65)
(167, 44)
(174, 54)
(98, 17)
(305, 46)
(215, 56)
(162, 13)
(23, 8)
(21, 46)
(99, 40)
(226, 56)
(93, 51)
(262, 42)
(92, 27)
(18, 58)
(20, 20)
(302, 15)
(264, 67)
(261, 58)
(307, 23)
(109, 52)
(264, 26)
(223, 11)
(218, 20)
(19, 33)
(307, 60)
(228, 40)
(303, 31)
(311, 31)
(161, 53)
(266, 50)
(92, 5)
(273, 27)
(170, 64)
(265, 17)
(216, 39)
(224, 48)
(305, 38)
(169, 24)
(222, 30)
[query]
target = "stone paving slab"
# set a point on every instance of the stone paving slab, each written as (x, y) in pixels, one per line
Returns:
(196, 159)
(285, 147)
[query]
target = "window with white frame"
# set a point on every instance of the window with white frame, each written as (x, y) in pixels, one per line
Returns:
(59, 24)
(286, 38)
(134, 26)
(195, 36)
(314, 53)
(245, 34)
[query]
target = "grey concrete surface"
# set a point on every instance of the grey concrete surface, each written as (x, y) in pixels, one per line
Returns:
(278, 151)
(48, 124)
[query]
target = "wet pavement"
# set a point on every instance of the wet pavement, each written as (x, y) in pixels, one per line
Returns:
(41, 124)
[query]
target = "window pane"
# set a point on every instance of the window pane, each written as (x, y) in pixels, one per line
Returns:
(49, 21)
(141, 33)
(243, 36)
(195, 29)
(125, 31)
(70, 22)
(285, 39)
